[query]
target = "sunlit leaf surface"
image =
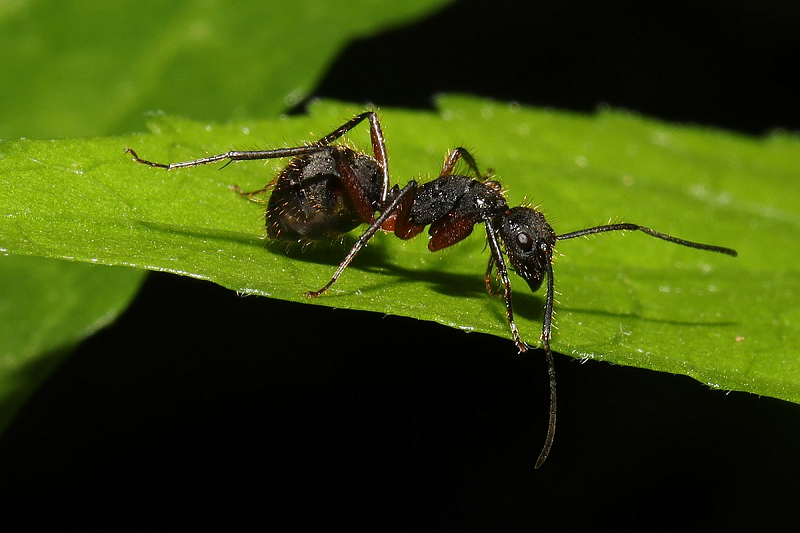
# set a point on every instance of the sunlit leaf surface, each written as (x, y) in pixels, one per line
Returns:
(628, 299)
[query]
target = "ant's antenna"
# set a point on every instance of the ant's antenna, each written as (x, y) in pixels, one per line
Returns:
(551, 367)
(651, 232)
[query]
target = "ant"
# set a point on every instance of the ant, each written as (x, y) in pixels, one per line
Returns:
(328, 189)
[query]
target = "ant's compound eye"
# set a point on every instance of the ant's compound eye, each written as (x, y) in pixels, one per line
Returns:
(525, 241)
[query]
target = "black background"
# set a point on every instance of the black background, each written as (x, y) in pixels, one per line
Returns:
(199, 407)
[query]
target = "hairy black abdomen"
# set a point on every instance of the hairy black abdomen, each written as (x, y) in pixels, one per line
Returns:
(310, 202)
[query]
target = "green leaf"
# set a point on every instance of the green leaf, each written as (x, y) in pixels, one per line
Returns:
(634, 300)
(79, 68)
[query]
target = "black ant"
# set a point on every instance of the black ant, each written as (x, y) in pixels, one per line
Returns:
(327, 190)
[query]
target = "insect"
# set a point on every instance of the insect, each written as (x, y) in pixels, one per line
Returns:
(328, 189)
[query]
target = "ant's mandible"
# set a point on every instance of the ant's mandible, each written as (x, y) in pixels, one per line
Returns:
(327, 190)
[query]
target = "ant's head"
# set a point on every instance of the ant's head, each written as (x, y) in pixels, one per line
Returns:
(529, 241)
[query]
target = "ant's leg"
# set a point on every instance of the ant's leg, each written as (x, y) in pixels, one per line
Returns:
(234, 155)
(376, 134)
(490, 277)
(356, 191)
(409, 189)
(252, 195)
(502, 270)
(376, 137)
(454, 156)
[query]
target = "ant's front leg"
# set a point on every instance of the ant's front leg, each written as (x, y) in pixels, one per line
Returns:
(502, 270)
(490, 277)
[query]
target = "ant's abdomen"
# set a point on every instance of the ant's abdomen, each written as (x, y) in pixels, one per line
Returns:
(310, 201)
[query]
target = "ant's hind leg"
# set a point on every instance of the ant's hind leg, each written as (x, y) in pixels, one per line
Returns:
(376, 134)
(322, 145)
(234, 155)
(376, 138)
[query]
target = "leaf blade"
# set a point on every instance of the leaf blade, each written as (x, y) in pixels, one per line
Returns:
(631, 300)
